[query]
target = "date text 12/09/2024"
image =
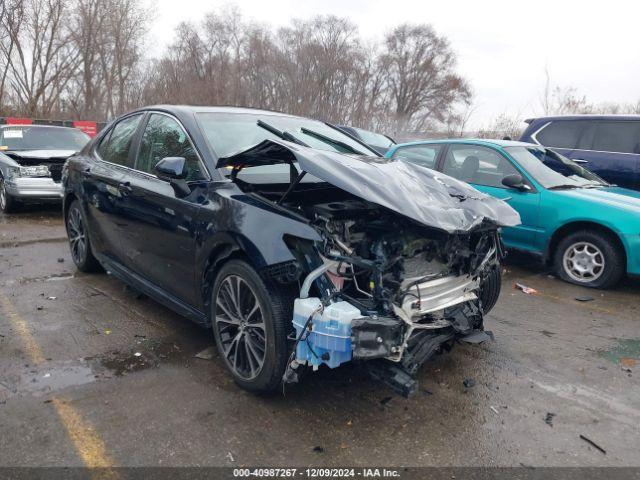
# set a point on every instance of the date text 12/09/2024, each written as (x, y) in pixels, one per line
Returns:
(316, 472)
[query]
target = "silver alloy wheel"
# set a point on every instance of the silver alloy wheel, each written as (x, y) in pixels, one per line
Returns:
(240, 327)
(3, 195)
(77, 236)
(583, 262)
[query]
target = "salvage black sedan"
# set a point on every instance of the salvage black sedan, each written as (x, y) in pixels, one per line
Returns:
(298, 245)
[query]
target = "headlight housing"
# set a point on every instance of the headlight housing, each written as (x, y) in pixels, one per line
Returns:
(29, 171)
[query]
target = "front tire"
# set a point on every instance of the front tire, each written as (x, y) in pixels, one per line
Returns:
(490, 289)
(589, 258)
(79, 244)
(250, 319)
(8, 204)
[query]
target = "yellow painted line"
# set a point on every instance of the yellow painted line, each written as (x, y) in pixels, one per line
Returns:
(86, 441)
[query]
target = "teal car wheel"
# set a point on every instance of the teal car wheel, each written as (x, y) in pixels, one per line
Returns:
(591, 259)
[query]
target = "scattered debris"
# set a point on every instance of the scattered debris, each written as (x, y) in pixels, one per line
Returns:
(107, 332)
(39, 307)
(61, 260)
(548, 419)
(585, 299)
(137, 354)
(594, 444)
(349, 423)
(46, 375)
(525, 289)
(51, 298)
(318, 449)
(469, 382)
(494, 410)
(385, 400)
(206, 354)
(230, 456)
(547, 333)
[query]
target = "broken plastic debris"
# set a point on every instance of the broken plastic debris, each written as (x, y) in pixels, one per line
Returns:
(107, 332)
(137, 354)
(46, 375)
(494, 410)
(206, 354)
(548, 419)
(51, 298)
(61, 260)
(525, 289)
(469, 382)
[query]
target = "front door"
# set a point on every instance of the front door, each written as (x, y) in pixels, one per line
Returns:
(484, 168)
(161, 225)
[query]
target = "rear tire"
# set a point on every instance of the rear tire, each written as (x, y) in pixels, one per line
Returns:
(590, 259)
(8, 203)
(251, 318)
(490, 289)
(79, 244)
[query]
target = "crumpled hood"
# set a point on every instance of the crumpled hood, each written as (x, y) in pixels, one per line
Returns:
(428, 197)
(40, 154)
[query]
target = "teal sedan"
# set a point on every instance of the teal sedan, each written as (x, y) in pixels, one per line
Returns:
(587, 229)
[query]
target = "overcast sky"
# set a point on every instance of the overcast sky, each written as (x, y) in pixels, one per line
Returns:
(503, 47)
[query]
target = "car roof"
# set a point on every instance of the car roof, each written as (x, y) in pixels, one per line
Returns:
(211, 109)
(586, 116)
(471, 141)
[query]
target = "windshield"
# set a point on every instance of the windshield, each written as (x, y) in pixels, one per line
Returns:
(552, 170)
(230, 133)
(375, 139)
(42, 138)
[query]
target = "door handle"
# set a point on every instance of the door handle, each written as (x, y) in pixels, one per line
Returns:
(580, 160)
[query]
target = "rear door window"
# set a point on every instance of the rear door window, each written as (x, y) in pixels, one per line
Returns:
(423, 155)
(478, 165)
(623, 137)
(115, 146)
(560, 134)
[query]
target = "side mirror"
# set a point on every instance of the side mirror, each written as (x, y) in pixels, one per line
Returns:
(516, 182)
(174, 171)
(171, 167)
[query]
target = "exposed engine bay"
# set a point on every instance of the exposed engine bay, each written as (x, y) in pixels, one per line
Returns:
(380, 286)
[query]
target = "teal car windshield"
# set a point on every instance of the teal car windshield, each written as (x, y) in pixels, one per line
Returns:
(552, 170)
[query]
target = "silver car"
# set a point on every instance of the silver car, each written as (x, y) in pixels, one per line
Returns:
(31, 160)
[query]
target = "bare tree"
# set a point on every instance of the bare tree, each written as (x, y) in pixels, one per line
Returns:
(39, 55)
(419, 71)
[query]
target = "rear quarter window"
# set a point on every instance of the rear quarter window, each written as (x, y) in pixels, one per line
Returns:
(560, 134)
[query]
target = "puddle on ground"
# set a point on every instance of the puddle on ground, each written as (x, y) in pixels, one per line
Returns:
(624, 352)
(146, 354)
(45, 379)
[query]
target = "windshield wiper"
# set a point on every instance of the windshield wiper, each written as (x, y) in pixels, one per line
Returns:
(564, 187)
(283, 134)
(331, 141)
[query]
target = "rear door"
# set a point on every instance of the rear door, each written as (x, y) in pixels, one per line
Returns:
(611, 149)
(484, 168)
(101, 186)
(160, 237)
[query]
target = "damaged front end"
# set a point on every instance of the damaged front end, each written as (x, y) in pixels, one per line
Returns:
(399, 271)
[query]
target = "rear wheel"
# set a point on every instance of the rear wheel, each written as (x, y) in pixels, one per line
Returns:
(589, 258)
(8, 204)
(81, 252)
(490, 289)
(250, 320)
